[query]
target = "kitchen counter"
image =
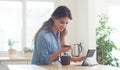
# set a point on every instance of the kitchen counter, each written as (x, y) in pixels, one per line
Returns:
(15, 60)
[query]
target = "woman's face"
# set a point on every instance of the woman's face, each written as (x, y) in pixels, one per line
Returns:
(60, 23)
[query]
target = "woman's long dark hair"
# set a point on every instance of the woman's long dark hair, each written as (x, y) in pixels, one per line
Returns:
(61, 11)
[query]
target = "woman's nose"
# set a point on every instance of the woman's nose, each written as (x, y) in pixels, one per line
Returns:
(64, 25)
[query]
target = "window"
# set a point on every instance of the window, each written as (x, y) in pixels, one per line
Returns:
(10, 23)
(114, 14)
(21, 20)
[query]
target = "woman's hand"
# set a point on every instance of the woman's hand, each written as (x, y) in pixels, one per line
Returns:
(61, 50)
(75, 59)
(65, 49)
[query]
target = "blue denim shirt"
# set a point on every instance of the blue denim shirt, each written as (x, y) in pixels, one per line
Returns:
(45, 44)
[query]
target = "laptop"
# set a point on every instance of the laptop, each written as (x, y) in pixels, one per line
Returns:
(89, 61)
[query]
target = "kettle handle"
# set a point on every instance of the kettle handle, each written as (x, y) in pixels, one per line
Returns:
(80, 47)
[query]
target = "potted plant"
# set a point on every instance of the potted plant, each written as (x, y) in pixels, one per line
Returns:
(28, 51)
(104, 44)
(11, 50)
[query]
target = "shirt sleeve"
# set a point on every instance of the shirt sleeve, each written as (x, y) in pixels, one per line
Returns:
(42, 50)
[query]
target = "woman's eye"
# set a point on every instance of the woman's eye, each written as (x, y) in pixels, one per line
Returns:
(61, 23)
(67, 23)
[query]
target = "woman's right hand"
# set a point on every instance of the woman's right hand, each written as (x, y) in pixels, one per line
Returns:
(75, 59)
(61, 50)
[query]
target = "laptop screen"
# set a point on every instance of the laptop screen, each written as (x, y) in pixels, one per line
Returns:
(90, 52)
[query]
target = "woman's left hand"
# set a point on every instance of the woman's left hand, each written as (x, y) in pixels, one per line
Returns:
(75, 59)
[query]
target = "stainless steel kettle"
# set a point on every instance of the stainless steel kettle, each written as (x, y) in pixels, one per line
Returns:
(76, 50)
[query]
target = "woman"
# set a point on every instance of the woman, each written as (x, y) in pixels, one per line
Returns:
(49, 40)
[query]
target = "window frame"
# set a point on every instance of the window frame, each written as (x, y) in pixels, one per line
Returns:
(24, 24)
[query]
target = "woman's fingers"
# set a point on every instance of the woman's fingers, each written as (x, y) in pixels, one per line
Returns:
(66, 49)
(79, 58)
